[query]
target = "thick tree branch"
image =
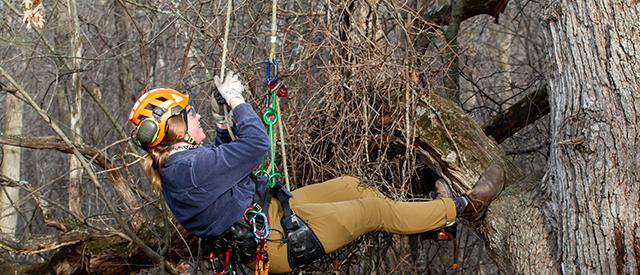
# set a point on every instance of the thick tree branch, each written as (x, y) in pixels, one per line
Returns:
(56, 143)
(470, 8)
(76, 151)
(46, 244)
(443, 15)
(449, 138)
(526, 111)
(96, 156)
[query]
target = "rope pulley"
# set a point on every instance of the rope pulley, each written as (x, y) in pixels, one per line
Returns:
(275, 83)
(276, 88)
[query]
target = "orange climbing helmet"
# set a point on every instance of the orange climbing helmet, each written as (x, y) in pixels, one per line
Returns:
(150, 114)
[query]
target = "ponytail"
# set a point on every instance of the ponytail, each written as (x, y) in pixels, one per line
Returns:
(152, 163)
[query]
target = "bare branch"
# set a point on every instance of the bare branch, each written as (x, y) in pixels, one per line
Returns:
(471, 8)
(152, 254)
(6, 181)
(526, 111)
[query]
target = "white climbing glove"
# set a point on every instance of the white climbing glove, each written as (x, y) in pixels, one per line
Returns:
(231, 87)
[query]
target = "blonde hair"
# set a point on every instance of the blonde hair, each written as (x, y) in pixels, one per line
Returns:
(176, 128)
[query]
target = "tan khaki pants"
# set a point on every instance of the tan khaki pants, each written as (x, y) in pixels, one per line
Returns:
(339, 211)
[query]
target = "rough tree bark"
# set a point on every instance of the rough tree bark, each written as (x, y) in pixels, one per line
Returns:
(583, 217)
(593, 169)
(514, 227)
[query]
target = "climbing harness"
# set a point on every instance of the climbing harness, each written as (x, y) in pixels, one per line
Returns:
(249, 236)
(247, 239)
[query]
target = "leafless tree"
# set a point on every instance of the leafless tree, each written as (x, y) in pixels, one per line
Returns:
(393, 92)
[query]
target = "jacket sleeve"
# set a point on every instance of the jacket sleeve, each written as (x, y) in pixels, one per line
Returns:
(222, 135)
(230, 162)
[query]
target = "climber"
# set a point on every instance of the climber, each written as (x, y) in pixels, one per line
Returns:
(208, 187)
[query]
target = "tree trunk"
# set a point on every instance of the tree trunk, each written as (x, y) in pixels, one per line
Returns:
(10, 167)
(452, 72)
(593, 168)
(514, 228)
(75, 123)
(125, 76)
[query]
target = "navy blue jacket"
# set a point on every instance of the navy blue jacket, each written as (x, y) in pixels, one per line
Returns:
(209, 187)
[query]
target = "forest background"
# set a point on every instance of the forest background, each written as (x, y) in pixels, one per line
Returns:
(398, 93)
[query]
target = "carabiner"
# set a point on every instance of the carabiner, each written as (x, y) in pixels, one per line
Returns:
(268, 69)
(264, 231)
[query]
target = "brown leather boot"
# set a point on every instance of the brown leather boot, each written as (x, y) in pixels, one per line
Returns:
(486, 189)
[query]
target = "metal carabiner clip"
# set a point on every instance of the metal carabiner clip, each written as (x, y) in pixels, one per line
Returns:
(262, 232)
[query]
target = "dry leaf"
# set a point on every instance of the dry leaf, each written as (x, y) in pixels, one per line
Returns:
(33, 13)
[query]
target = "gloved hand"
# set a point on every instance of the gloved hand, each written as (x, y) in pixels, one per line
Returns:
(218, 111)
(223, 123)
(218, 97)
(231, 87)
(217, 102)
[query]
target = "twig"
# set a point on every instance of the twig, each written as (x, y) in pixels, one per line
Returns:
(148, 250)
